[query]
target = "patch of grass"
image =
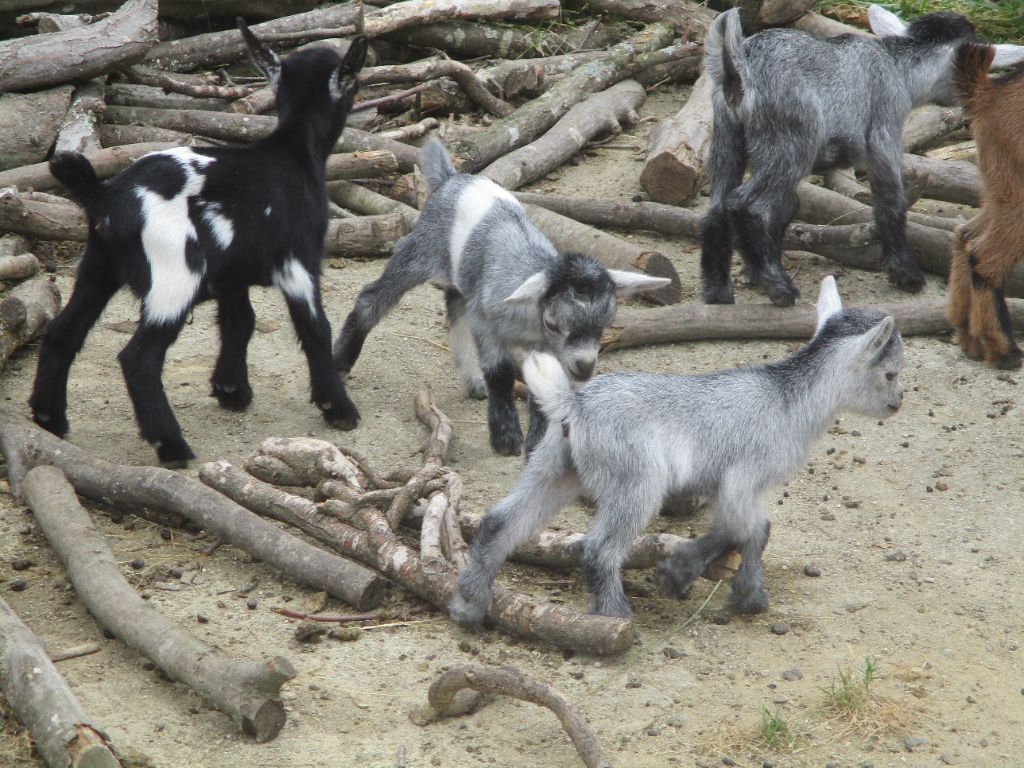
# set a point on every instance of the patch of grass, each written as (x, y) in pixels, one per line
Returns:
(774, 731)
(849, 695)
(998, 21)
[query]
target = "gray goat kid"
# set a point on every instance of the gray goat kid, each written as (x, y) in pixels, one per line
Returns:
(787, 104)
(631, 439)
(508, 292)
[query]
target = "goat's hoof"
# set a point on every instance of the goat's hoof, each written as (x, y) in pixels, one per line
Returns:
(780, 294)
(507, 445)
(174, 454)
(909, 281)
(1009, 362)
(343, 416)
(751, 602)
(721, 294)
(55, 425)
(673, 581)
(475, 389)
(233, 397)
(466, 614)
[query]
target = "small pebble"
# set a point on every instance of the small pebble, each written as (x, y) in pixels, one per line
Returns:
(896, 556)
(792, 675)
(108, 634)
(138, 564)
(828, 516)
(728, 761)
(721, 618)
(634, 683)
(855, 433)
(851, 504)
(671, 653)
(812, 570)
(176, 572)
(905, 444)
(251, 604)
(780, 628)
(165, 534)
(947, 759)
(832, 764)
(18, 585)
(21, 564)
(941, 486)
(202, 619)
(910, 743)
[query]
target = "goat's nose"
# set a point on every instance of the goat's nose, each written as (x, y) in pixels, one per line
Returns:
(584, 369)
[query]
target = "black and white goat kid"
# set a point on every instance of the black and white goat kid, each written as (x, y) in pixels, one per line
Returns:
(508, 292)
(630, 440)
(183, 226)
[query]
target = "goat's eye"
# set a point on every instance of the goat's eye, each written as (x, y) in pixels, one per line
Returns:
(890, 376)
(553, 327)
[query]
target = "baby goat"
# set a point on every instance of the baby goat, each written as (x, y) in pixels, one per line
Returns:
(631, 439)
(989, 245)
(787, 104)
(507, 292)
(187, 225)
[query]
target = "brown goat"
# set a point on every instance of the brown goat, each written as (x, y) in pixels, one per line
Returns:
(987, 247)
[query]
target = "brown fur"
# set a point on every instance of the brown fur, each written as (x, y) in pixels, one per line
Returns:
(987, 248)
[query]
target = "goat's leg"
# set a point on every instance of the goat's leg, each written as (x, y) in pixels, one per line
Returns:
(326, 388)
(142, 361)
(726, 159)
(460, 336)
(543, 488)
(64, 337)
(538, 425)
(230, 380)
(890, 209)
(960, 291)
(405, 270)
(748, 592)
(623, 510)
(760, 209)
(502, 417)
(676, 573)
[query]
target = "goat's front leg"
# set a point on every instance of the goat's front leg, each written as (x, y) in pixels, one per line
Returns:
(545, 486)
(502, 417)
(890, 209)
(676, 573)
(64, 337)
(142, 362)
(327, 390)
(230, 380)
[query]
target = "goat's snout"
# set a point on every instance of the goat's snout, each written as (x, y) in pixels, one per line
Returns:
(582, 370)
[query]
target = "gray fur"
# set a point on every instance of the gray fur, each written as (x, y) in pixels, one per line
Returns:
(508, 291)
(631, 440)
(786, 104)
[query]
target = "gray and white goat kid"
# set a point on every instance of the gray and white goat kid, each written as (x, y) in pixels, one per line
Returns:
(508, 292)
(787, 104)
(629, 440)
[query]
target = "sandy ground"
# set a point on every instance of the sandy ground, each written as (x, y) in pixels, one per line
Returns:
(915, 525)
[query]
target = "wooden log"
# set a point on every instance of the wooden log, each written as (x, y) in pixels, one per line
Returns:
(18, 267)
(26, 445)
(966, 151)
(106, 163)
(367, 202)
(365, 237)
(206, 88)
(709, 322)
(24, 312)
(185, 9)
(952, 181)
(12, 245)
(690, 20)
(927, 126)
(138, 95)
(120, 135)
(29, 124)
(360, 165)
(303, 461)
(569, 235)
(433, 68)
(534, 118)
(54, 22)
(845, 183)
(79, 130)
(776, 13)
(677, 149)
(78, 54)
(600, 113)
(506, 681)
(246, 691)
(63, 734)
(419, 12)
(21, 214)
(822, 26)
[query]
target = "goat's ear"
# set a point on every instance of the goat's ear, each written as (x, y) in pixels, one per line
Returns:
(828, 301)
(1007, 55)
(355, 56)
(885, 23)
(342, 85)
(869, 344)
(264, 58)
(532, 289)
(628, 283)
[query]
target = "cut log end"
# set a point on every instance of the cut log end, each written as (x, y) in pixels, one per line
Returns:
(668, 180)
(657, 264)
(90, 750)
(266, 722)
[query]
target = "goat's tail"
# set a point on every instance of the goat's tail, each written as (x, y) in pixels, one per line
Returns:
(548, 383)
(437, 164)
(76, 173)
(970, 72)
(724, 61)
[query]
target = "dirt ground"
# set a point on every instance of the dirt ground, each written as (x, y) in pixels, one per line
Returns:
(915, 524)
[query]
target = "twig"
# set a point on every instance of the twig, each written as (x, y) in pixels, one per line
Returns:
(703, 605)
(85, 649)
(334, 618)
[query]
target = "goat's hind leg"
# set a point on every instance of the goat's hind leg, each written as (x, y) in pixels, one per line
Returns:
(545, 485)
(961, 292)
(64, 337)
(502, 418)
(230, 379)
(726, 159)
(460, 336)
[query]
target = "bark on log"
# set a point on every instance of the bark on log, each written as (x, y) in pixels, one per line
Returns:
(303, 461)
(569, 235)
(153, 97)
(26, 446)
(845, 183)
(78, 54)
(431, 69)
(690, 20)
(822, 26)
(677, 149)
(186, 9)
(120, 135)
(106, 162)
(360, 165)
(707, 322)
(369, 203)
(247, 691)
(506, 681)
(42, 700)
(12, 245)
(967, 151)
(927, 126)
(365, 237)
(417, 12)
(19, 267)
(29, 124)
(534, 118)
(188, 86)
(79, 131)
(949, 180)
(24, 312)
(600, 113)
(50, 221)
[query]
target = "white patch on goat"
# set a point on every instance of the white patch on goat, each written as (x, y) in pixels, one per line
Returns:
(166, 230)
(221, 226)
(295, 282)
(475, 202)
(267, 211)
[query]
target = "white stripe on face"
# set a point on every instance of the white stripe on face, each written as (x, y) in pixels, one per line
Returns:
(475, 202)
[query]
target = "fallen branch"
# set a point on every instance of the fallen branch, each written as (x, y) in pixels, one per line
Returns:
(26, 446)
(928, 125)
(431, 69)
(24, 312)
(509, 682)
(76, 651)
(80, 53)
(106, 162)
(247, 691)
(40, 697)
(152, 97)
(329, 618)
(953, 181)
(154, 77)
(79, 130)
(677, 149)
